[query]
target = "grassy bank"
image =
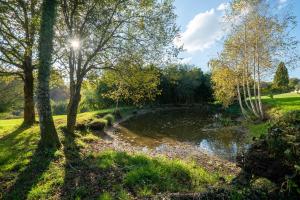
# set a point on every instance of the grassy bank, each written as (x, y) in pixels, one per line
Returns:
(275, 107)
(76, 171)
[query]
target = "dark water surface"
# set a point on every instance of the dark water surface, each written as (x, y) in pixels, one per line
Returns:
(193, 126)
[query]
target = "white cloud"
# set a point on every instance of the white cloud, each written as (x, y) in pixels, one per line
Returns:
(223, 6)
(281, 4)
(204, 30)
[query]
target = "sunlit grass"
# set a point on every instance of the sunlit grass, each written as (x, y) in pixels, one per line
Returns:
(27, 172)
(148, 176)
(283, 102)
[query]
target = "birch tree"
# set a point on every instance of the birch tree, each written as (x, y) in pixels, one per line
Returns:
(258, 38)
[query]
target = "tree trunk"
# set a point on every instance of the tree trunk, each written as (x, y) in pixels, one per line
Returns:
(244, 91)
(29, 113)
(49, 137)
(261, 111)
(240, 101)
(250, 99)
(73, 107)
(254, 85)
(259, 94)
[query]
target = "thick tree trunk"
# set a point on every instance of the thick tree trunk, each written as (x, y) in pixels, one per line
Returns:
(29, 113)
(73, 107)
(49, 137)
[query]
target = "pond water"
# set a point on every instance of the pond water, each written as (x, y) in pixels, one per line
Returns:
(156, 129)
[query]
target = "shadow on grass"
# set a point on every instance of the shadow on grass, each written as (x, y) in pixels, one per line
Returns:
(81, 179)
(30, 176)
(14, 134)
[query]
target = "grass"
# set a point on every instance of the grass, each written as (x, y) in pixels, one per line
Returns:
(146, 176)
(277, 106)
(76, 172)
(283, 102)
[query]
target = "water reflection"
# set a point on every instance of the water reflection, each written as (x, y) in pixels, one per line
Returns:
(153, 130)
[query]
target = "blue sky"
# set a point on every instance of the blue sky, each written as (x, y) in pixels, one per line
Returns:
(201, 28)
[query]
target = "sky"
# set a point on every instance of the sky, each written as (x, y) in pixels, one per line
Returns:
(202, 29)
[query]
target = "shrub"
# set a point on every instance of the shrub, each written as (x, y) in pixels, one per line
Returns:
(97, 124)
(276, 156)
(82, 123)
(59, 108)
(109, 118)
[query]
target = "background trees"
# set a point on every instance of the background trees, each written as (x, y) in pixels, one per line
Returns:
(19, 22)
(281, 78)
(184, 84)
(11, 95)
(132, 81)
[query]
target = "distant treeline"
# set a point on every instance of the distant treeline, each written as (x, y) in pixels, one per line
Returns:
(178, 84)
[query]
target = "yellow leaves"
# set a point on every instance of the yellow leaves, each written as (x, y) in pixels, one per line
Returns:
(224, 80)
(146, 3)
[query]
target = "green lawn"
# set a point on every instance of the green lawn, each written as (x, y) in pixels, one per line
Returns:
(76, 171)
(283, 102)
(279, 105)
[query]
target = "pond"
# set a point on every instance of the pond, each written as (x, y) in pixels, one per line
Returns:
(172, 127)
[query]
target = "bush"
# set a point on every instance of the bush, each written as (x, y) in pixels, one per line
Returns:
(97, 124)
(59, 108)
(276, 156)
(110, 119)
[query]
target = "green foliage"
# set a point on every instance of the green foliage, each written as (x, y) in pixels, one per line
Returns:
(109, 118)
(184, 84)
(293, 83)
(257, 130)
(97, 124)
(281, 78)
(132, 81)
(105, 196)
(280, 149)
(11, 95)
(59, 108)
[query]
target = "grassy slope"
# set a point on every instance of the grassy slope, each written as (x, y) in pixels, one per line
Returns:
(75, 173)
(280, 104)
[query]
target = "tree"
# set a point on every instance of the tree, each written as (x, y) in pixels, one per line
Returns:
(49, 137)
(257, 39)
(132, 81)
(93, 35)
(281, 78)
(293, 82)
(11, 94)
(19, 22)
(224, 86)
(184, 84)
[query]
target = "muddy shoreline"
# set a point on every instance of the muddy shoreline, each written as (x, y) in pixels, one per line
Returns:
(178, 150)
